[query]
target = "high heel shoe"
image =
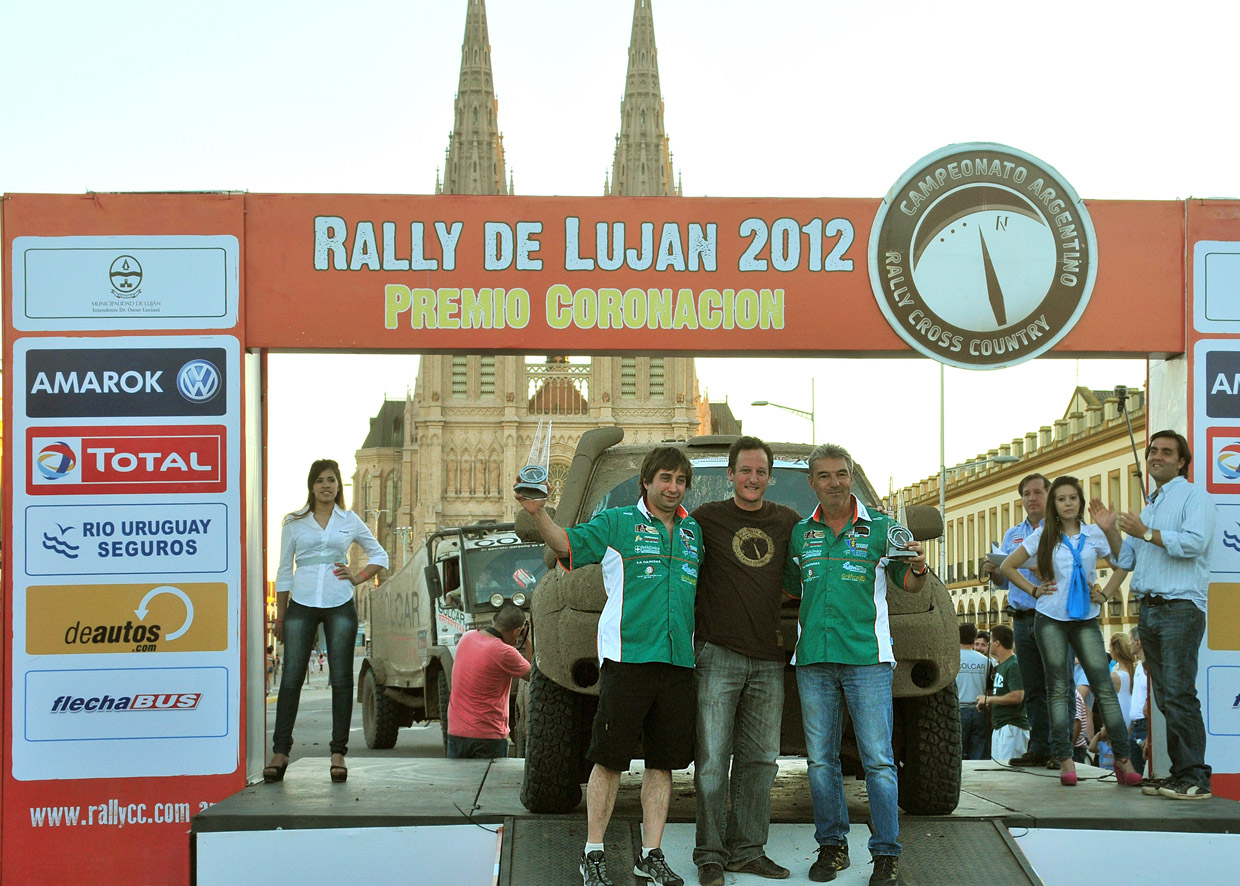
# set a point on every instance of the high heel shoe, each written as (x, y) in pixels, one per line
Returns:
(1067, 778)
(339, 773)
(1127, 779)
(273, 773)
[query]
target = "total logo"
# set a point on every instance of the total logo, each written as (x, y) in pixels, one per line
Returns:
(175, 459)
(139, 701)
(1223, 445)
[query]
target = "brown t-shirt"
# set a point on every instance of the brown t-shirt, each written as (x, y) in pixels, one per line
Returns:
(740, 585)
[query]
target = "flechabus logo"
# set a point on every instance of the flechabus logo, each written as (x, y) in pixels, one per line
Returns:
(159, 459)
(141, 701)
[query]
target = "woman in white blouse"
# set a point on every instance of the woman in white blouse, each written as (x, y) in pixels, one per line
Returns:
(314, 586)
(1067, 552)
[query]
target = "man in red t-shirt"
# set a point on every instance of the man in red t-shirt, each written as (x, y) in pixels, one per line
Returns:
(486, 661)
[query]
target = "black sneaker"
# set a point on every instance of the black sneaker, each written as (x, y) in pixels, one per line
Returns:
(1151, 786)
(886, 871)
(654, 868)
(831, 860)
(594, 869)
(1180, 789)
(1029, 758)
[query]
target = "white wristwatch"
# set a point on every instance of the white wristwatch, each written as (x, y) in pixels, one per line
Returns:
(1149, 535)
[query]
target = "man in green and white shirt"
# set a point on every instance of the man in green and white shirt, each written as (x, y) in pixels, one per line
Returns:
(650, 553)
(838, 566)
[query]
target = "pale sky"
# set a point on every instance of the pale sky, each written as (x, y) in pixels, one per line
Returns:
(793, 98)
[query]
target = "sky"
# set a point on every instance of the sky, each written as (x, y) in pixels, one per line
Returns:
(784, 98)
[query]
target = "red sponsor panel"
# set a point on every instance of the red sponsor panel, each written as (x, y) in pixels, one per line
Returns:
(150, 459)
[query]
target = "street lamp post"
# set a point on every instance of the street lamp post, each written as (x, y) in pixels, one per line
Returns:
(943, 474)
(804, 413)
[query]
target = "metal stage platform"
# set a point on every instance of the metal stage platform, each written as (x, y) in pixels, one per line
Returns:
(460, 821)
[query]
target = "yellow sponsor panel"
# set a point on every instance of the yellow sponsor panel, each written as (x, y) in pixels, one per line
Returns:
(173, 617)
(1223, 616)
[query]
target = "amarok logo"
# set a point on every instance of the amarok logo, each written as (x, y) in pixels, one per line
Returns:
(161, 459)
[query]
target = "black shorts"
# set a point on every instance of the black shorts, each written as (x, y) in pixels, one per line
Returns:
(654, 702)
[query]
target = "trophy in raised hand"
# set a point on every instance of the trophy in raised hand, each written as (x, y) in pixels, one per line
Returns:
(533, 477)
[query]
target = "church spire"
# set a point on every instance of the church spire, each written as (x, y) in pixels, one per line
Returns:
(642, 165)
(475, 162)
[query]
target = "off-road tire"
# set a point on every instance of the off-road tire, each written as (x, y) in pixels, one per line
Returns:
(444, 692)
(517, 717)
(380, 715)
(929, 767)
(552, 747)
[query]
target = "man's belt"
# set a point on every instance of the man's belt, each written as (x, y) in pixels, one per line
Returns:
(1157, 600)
(1022, 613)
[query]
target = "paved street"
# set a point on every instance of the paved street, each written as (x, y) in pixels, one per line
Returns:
(312, 734)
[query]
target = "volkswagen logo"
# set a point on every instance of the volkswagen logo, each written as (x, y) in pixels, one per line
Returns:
(198, 381)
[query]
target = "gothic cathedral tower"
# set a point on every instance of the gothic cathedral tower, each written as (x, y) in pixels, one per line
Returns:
(447, 455)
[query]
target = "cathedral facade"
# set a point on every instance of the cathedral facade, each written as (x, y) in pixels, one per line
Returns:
(447, 455)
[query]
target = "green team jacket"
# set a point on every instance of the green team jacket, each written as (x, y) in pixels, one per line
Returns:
(842, 583)
(650, 579)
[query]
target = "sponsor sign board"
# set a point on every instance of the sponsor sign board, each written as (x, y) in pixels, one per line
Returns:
(89, 382)
(1216, 281)
(106, 539)
(117, 283)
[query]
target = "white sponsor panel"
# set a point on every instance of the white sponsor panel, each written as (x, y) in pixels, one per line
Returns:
(148, 502)
(126, 539)
(117, 283)
(1216, 285)
(128, 703)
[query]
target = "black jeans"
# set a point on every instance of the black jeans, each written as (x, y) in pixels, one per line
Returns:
(340, 630)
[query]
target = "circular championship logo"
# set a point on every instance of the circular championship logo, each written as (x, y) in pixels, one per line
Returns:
(56, 460)
(982, 256)
(126, 276)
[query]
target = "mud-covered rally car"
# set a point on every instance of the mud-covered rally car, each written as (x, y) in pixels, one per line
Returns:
(556, 710)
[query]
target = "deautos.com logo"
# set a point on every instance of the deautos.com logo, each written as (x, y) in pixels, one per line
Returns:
(161, 459)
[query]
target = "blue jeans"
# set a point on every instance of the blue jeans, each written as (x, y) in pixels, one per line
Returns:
(1171, 635)
(1085, 639)
(867, 691)
(475, 748)
(973, 733)
(739, 704)
(301, 623)
(1033, 676)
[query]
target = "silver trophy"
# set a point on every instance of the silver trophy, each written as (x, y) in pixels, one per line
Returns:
(898, 540)
(533, 477)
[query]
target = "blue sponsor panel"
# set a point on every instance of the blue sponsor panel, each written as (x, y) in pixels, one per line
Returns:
(126, 539)
(1223, 700)
(126, 704)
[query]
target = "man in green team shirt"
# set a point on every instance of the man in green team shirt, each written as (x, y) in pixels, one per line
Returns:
(838, 565)
(1007, 704)
(650, 553)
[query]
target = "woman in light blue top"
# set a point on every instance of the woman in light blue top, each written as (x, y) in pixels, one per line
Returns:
(1067, 551)
(314, 586)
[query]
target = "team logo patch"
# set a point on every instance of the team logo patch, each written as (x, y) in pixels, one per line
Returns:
(815, 535)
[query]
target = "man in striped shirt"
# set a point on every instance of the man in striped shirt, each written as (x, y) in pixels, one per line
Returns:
(1168, 551)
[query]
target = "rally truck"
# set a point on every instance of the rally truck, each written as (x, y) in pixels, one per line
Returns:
(557, 709)
(454, 583)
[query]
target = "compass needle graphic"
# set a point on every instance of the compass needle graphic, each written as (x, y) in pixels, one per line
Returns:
(992, 283)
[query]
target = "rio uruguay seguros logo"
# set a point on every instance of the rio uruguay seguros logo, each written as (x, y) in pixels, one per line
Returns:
(982, 256)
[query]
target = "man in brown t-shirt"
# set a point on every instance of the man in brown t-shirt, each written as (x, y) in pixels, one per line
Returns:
(740, 668)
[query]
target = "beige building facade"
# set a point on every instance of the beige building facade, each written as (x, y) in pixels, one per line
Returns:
(1090, 442)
